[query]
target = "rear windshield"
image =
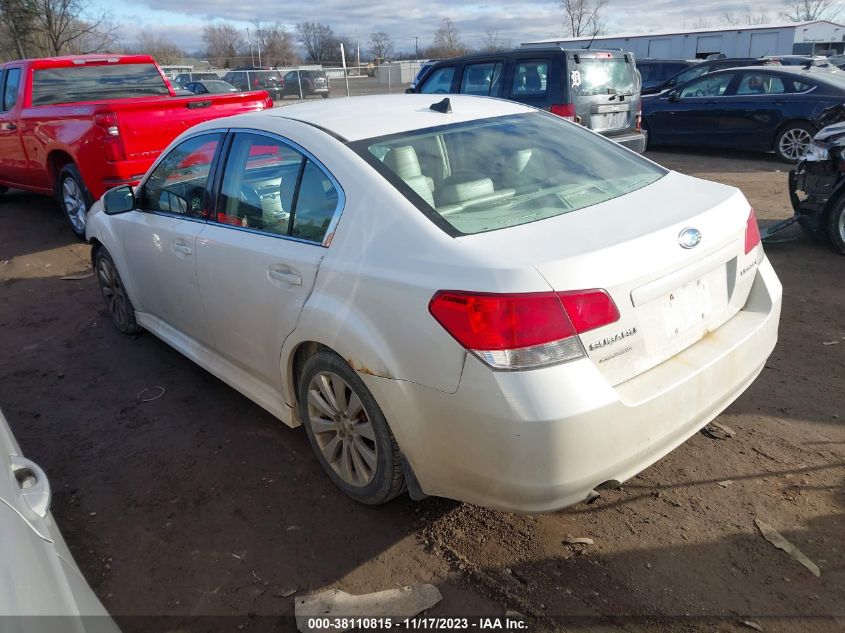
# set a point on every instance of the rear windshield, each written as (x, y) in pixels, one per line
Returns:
(495, 173)
(602, 76)
(52, 86)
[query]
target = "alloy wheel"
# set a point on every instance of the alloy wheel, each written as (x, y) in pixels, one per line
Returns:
(793, 143)
(74, 202)
(342, 429)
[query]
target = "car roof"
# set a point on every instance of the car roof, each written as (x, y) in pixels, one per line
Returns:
(356, 118)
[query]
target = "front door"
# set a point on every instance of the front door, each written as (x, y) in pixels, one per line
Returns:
(693, 116)
(258, 257)
(160, 238)
(12, 156)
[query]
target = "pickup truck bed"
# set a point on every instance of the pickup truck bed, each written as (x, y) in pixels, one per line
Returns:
(75, 127)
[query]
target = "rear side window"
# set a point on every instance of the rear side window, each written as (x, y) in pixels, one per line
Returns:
(178, 184)
(439, 82)
(530, 78)
(482, 79)
(51, 86)
(800, 86)
(601, 76)
(10, 88)
(760, 84)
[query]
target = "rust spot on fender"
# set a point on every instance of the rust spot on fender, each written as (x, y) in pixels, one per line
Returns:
(361, 368)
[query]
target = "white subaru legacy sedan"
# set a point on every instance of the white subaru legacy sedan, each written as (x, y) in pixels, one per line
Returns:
(467, 298)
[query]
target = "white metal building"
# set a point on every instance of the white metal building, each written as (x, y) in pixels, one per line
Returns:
(818, 37)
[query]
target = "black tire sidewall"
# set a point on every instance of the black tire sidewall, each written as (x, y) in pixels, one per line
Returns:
(70, 171)
(131, 325)
(797, 125)
(383, 486)
(833, 233)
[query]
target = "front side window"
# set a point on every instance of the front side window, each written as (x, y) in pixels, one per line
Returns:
(530, 78)
(506, 171)
(269, 186)
(691, 73)
(481, 79)
(439, 82)
(708, 86)
(179, 183)
(10, 88)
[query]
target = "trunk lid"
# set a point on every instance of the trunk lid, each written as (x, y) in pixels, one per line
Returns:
(668, 296)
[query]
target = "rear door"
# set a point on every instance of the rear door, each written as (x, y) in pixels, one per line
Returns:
(258, 256)
(754, 109)
(12, 155)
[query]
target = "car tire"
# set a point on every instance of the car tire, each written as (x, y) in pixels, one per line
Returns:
(792, 140)
(836, 226)
(74, 199)
(118, 304)
(355, 448)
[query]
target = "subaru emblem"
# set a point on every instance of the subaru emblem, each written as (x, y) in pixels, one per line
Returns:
(689, 237)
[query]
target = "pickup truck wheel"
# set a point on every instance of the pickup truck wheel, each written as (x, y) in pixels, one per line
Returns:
(836, 226)
(793, 140)
(73, 198)
(348, 431)
(117, 301)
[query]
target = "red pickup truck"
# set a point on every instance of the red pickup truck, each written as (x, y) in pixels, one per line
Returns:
(74, 127)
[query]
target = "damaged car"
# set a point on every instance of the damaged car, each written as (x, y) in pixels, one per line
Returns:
(817, 188)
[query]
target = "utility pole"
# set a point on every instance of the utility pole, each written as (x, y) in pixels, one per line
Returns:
(417, 46)
(258, 44)
(357, 49)
(251, 56)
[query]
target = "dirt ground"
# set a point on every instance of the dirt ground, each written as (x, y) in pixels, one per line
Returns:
(201, 504)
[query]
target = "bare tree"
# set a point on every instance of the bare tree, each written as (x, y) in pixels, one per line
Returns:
(17, 19)
(492, 41)
(277, 45)
(63, 26)
(729, 19)
(318, 40)
(806, 10)
(702, 23)
(447, 41)
(381, 45)
(583, 17)
(223, 41)
(163, 50)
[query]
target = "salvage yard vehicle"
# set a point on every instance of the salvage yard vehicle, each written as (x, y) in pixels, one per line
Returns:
(41, 579)
(701, 68)
(74, 127)
(463, 297)
(759, 108)
(817, 188)
(599, 89)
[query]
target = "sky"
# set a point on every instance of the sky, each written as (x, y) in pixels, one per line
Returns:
(516, 21)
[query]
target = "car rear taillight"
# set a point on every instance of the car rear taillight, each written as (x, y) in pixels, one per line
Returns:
(522, 331)
(752, 233)
(564, 110)
(112, 144)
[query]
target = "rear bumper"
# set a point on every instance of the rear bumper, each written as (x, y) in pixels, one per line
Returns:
(536, 441)
(635, 141)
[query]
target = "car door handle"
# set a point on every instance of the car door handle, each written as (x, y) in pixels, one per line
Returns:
(10, 127)
(34, 485)
(181, 247)
(284, 274)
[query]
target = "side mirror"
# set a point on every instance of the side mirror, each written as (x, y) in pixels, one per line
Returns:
(119, 200)
(673, 96)
(409, 91)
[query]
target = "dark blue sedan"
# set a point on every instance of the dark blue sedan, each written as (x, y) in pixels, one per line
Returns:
(759, 108)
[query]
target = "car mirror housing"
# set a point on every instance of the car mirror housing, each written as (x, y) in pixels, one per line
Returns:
(673, 96)
(119, 200)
